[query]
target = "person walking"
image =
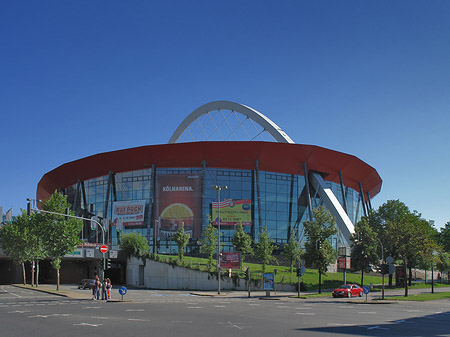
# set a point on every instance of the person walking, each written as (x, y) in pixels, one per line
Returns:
(108, 289)
(94, 287)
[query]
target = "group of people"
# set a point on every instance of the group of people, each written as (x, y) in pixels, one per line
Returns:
(101, 287)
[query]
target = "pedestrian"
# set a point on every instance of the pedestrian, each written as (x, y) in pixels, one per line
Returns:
(104, 289)
(94, 287)
(108, 289)
(98, 286)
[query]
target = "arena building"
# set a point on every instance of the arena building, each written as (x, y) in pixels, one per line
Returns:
(224, 157)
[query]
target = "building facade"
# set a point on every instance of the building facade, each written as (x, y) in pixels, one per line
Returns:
(275, 184)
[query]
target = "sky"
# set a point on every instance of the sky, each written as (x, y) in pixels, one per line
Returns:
(367, 78)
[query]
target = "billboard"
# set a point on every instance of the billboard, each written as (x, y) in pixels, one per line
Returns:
(230, 260)
(232, 212)
(128, 214)
(178, 201)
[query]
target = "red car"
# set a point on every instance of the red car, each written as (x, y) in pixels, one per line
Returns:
(348, 290)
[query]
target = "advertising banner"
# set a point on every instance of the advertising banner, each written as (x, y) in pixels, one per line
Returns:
(232, 212)
(178, 201)
(230, 260)
(128, 213)
(268, 281)
(344, 262)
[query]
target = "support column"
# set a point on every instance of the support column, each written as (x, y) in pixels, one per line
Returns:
(305, 172)
(290, 207)
(363, 202)
(258, 195)
(154, 220)
(368, 201)
(344, 201)
(203, 225)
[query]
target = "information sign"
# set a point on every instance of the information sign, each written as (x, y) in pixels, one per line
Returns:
(268, 281)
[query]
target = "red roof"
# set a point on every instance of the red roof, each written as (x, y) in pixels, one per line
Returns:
(272, 157)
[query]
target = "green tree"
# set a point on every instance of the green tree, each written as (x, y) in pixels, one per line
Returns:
(242, 242)
(444, 264)
(292, 250)
(208, 242)
(319, 252)
(14, 241)
(365, 246)
(264, 249)
(182, 239)
(444, 237)
(60, 236)
(134, 244)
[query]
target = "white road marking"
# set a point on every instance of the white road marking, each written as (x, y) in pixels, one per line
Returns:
(134, 310)
(305, 313)
(186, 322)
(220, 306)
(88, 324)
(138, 320)
(38, 316)
(88, 307)
(99, 317)
(18, 312)
(367, 312)
(195, 307)
(339, 324)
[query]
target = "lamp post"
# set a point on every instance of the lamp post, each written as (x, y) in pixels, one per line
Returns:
(382, 275)
(218, 189)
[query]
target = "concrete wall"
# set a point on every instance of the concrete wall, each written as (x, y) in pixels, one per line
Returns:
(158, 275)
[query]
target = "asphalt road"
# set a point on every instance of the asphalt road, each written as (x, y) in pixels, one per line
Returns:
(25, 312)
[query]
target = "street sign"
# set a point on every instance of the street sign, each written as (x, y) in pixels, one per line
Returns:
(103, 249)
(122, 290)
(366, 289)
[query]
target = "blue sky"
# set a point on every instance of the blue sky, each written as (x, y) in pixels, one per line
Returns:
(368, 78)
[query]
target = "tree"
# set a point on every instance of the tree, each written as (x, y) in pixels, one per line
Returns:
(292, 250)
(444, 264)
(182, 239)
(242, 242)
(319, 252)
(14, 239)
(444, 237)
(365, 245)
(60, 236)
(134, 244)
(208, 243)
(264, 249)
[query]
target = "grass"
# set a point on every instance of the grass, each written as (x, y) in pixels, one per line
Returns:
(420, 297)
(283, 276)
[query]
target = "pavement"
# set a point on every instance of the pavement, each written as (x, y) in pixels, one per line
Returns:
(71, 291)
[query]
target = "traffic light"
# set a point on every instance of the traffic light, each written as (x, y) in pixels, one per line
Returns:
(318, 244)
(299, 273)
(29, 208)
(384, 269)
(247, 273)
(101, 264)
(108, 263)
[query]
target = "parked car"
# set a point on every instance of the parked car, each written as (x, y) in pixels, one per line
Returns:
(86, 284)
(348, 290)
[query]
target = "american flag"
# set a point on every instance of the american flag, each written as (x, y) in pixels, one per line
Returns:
(223, 203)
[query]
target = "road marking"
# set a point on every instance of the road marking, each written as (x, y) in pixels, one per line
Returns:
(303, 308)
(305, 313)
(88, 324)
(254, 304)
(340, 324)
(377, 327)
(87, 307)
(414, 310)
(138, 320)
(134, 310)
(283, 306)
(18, 312)
(195, 307)
(38, 316)
(220, 306)
(367, 312)
(99, 317)
(186, 322)
(239, 326)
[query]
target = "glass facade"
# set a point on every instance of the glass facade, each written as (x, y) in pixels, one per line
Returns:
(275, 198)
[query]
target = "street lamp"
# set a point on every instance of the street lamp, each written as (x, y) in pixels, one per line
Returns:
(218, 189)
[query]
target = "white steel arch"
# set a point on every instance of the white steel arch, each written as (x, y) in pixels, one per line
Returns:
(265, 123)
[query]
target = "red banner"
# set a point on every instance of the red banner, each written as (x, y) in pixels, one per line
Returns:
(344, 263)
(178, 201)
(230, 260)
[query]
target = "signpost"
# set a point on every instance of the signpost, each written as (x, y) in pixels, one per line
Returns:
(366, 290)
(122, 291)
(103, 249)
